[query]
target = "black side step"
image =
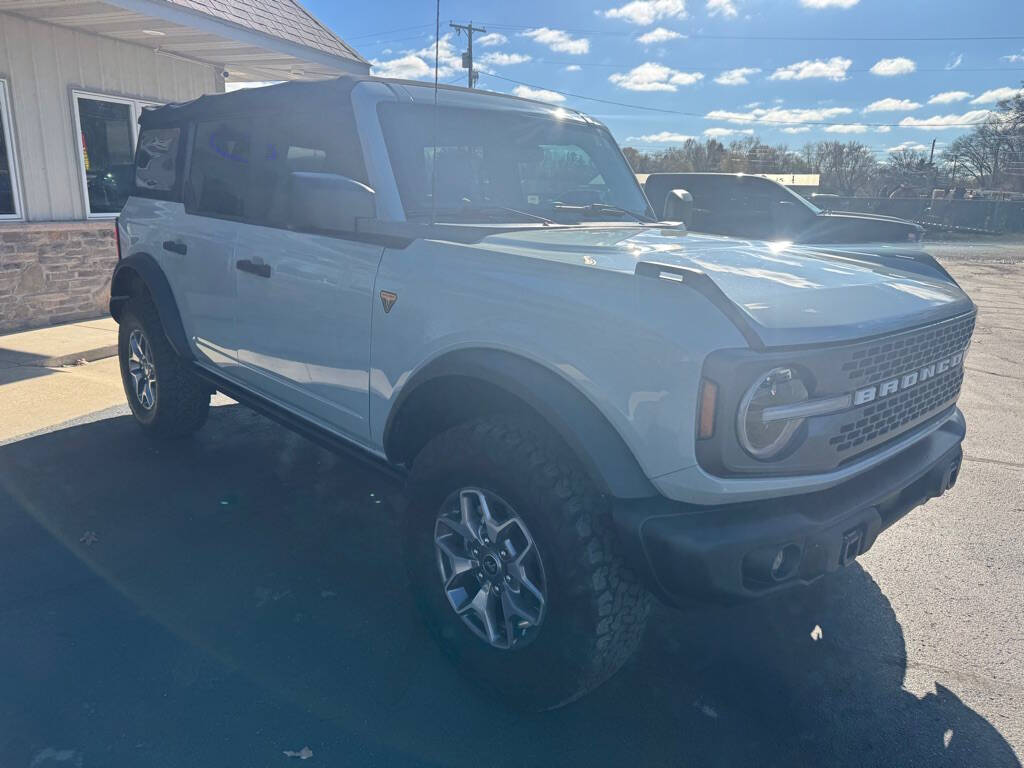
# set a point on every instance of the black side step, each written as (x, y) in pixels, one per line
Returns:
(312, 432)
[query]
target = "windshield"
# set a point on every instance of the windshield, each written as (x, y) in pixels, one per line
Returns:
(505, 166)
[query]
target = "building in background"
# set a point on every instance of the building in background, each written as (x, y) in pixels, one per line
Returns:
(74, 76)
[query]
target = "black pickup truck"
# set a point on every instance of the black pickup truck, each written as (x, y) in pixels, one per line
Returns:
(740, 205)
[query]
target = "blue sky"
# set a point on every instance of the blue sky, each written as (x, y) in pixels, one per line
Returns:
(715, 61)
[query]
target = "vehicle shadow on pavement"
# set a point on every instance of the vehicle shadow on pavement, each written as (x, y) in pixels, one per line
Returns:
(223, 599)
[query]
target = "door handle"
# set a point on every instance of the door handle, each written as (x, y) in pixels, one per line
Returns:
(175, 246)
(260, 270)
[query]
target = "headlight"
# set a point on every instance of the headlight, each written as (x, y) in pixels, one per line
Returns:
(763, 427)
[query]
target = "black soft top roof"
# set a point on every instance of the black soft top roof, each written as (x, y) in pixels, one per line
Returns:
(294, 95)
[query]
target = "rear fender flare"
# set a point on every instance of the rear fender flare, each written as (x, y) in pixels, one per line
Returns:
(143, 267)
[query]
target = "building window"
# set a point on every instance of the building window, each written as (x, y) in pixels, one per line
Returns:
(10, 192)
(107, 129)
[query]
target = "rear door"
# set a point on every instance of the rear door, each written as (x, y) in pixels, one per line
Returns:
(216, 201)
(303, 311)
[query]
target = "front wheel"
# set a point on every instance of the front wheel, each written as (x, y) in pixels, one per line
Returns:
(515, 566)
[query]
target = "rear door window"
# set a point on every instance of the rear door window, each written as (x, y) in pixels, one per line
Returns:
(220, 172)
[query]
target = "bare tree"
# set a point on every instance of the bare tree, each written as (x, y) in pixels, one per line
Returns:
(846, 168)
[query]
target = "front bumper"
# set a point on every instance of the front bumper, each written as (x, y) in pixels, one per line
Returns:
(742, 551)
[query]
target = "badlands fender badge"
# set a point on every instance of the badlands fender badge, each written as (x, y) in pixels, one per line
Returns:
(388, 299)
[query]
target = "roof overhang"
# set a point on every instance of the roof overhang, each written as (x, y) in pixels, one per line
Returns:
(245, 54)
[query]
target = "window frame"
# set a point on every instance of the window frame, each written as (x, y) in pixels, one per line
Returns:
(12, 153)
(135, 106)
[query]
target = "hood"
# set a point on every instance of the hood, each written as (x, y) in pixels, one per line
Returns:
(787, 294)
(848, 227)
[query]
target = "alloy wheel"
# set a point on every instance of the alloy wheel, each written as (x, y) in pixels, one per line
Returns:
(491, 568)
(141, 369)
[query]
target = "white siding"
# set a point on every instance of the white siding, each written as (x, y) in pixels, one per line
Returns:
(42, 63)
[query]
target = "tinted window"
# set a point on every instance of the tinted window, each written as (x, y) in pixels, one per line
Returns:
(299, 143)
(107, 153)
(219, 175)
(156, 161)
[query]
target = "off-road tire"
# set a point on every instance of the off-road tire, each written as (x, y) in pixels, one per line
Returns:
(597, 607)
(182, 400)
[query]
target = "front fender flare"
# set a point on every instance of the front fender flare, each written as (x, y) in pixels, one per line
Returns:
(598, 445)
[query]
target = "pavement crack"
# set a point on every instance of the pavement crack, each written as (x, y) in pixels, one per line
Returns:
(1000, 462)
(993, 373)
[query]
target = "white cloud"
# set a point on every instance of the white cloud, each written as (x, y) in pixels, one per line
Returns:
(419, 65)
(780, 115)
(558, 40)
(238, 86)
(644, 12)
(955, 62)
(736, 76)
(916, 146)
(538, 94)
(996, 94)
(797, 129)
(849, 128)
(665, 137)
(828, 3)
(948, 97)
(943, 122)
(892, 67)
(717, 133)
(882, 129)
(491, 39)
(657, 35)
(502, 59)
(832, 69)
(654, 77)
(573, 68)
(892, 105)
(725, 7)
(1014, 58)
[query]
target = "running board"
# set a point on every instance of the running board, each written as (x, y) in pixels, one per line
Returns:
(312, 432)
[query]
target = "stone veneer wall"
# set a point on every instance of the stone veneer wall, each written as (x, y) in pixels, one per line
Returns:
(54, 272)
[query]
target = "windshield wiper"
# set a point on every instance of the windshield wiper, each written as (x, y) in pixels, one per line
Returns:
(600, 208)
(483, 210)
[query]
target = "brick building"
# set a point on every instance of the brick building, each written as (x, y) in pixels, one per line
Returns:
(74, 76)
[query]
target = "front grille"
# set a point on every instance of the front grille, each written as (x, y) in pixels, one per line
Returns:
(871, 425)
(875, 421)
(887, 358)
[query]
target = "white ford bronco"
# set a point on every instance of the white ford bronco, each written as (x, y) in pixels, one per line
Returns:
(588, 404)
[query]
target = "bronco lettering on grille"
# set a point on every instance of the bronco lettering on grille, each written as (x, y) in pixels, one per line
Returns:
(907, 380)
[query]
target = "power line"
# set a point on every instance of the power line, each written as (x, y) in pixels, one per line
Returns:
(727, 69)
(705, 117)
(388, 31)
(777, 38)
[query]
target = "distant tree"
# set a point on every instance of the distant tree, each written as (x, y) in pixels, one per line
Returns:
(846, 168)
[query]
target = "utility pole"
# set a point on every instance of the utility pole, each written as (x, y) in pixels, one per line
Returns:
(467, 57)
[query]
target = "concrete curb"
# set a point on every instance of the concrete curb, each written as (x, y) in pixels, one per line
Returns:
(88, 356)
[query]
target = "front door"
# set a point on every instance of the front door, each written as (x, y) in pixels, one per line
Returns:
(303, 310)
(303, 322)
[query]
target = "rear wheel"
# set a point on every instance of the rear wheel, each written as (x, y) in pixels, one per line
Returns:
(515, 566)
(166, 398)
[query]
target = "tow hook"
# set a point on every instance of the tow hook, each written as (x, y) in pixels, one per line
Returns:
(852, 541)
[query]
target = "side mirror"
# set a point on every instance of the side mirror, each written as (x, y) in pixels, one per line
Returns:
(679, 207)
(327, 202)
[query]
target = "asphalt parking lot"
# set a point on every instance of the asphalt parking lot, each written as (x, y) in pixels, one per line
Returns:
(225, 599)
